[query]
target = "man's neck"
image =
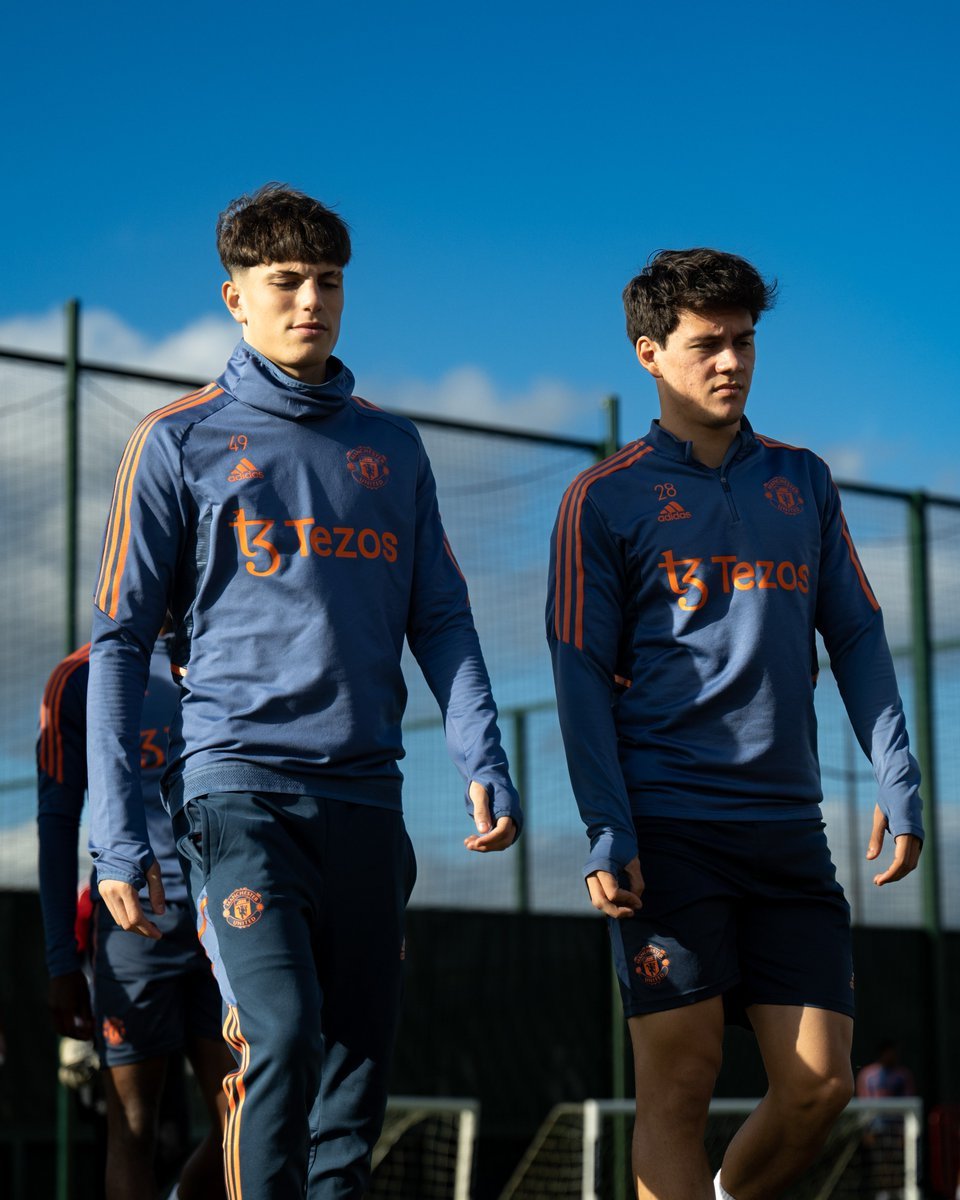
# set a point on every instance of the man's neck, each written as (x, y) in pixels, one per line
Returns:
(710, 446)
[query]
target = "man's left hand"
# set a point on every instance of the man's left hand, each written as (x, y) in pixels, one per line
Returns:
(488, 835)
(906, 855)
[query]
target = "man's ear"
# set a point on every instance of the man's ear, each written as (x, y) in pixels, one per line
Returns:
(233, 299)
(647, 351)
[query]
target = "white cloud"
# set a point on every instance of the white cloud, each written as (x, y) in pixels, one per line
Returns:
(201, 348)
(847, 462)
(468, 393)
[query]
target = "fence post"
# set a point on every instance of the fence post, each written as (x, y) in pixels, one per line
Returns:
(618, 1083)
(521, 781)
(939, 1074)
(611, 440)
(71, 469)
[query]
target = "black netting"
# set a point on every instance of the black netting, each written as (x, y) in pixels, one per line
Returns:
(499, 496)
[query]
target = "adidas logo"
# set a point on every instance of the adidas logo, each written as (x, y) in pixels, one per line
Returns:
(244, 470)
(673, 512)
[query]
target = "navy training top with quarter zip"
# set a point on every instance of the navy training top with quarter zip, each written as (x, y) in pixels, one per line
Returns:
(294, 534)
(682, 609)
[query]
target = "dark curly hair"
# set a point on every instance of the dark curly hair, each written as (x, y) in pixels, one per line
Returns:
(701, 280)
(279, 224)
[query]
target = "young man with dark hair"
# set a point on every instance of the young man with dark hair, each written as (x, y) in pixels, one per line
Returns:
(689, 574)
(293, 531)
(152, 1000)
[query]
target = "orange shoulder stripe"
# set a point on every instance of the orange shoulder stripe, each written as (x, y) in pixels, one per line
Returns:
(857, 565)
(117, 539)
(367, 404)
(569, 598)
(771, 444)
(51, 733)
(564, 564)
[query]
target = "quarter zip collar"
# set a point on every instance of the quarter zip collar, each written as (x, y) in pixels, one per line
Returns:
(255, 380)
(671, 447)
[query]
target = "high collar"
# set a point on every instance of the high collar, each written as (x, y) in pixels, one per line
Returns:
(671, 447)
(255, 380)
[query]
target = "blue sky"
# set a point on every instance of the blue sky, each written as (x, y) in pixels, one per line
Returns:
(505, 169)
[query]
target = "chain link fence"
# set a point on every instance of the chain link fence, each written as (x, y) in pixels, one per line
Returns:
(499, 493)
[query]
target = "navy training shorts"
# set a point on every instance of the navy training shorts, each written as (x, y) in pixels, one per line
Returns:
(151, 998)
(750, 910)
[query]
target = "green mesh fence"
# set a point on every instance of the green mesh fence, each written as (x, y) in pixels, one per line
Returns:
(499, 495)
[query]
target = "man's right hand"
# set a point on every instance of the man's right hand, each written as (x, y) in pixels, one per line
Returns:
(608, 897)
(124, 904)
(69, 1000)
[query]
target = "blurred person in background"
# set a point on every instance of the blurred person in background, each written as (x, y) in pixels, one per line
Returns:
(885, 1078)
(141, 1003)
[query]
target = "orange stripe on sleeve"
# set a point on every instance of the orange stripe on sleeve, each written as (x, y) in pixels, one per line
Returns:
(857, 566)
(564, 564)
(569, 600)
(51, 732)
(771, 444)
(452, 557)
(117, 541)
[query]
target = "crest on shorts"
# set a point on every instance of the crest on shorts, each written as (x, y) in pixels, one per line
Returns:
(652, 965)
(114, 1031)
(783, 495)
(368, 467)
(242, 908)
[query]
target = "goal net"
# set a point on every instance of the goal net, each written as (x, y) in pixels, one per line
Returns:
(582, 1152)
(425, 1150)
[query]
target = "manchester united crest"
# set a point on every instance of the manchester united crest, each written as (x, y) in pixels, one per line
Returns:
(652, 965)
(368, 467)
(783, 495)
(114, 1031)
(242, 908)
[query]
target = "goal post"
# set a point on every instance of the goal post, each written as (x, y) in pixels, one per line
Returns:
(425, 1149)
(873, 1145)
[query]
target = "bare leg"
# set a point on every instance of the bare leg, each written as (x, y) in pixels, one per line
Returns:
(133, 1103)
(676, 1058)
(806, 1052)
(202, 1176)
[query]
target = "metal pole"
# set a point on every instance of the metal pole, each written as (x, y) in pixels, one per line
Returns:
(611, 440)
(853, 823)
(71, 472)
(520, 776)
(610, 445)
(938, 1071)
(71, 477)
(64, 1142)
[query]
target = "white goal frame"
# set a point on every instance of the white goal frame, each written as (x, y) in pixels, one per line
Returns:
(418, 1107)
(910, 1108)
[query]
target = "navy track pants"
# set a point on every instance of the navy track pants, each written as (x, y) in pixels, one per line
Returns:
(300, 903)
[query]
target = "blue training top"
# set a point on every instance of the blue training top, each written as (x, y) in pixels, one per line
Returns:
(293, 532)
(62, 786)
(681, 615)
